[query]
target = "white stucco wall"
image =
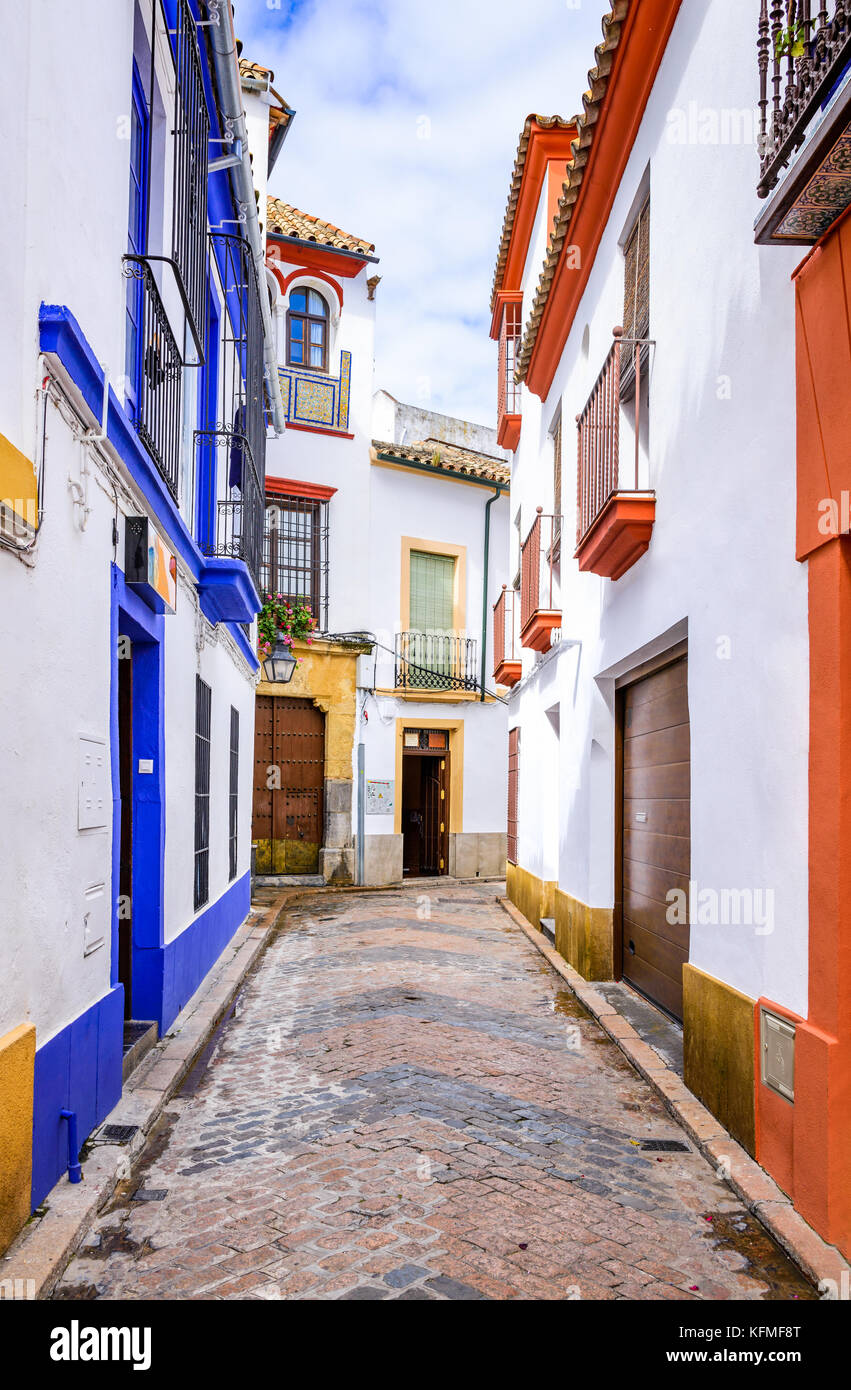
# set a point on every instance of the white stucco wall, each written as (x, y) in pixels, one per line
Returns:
(65, 165)
(721, 561)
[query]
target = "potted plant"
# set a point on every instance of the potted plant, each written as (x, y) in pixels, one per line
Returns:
(292, 620)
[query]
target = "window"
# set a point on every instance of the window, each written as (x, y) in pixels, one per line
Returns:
(203, 698)
(432, 604)
(295, 561)
(636, 300)
(307, 330)
(136, 236)
(233, 793)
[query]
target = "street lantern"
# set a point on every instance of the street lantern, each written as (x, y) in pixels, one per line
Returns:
(280, 666)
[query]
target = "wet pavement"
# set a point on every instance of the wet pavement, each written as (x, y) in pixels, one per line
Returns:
(408, 1103)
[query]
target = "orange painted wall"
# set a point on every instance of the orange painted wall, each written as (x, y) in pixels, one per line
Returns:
(807, 1146)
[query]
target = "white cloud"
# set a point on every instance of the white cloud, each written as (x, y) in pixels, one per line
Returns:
(369, 79)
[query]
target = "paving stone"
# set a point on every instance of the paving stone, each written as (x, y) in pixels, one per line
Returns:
(393, 1112)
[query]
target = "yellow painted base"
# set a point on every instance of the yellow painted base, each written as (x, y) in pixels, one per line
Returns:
(17, 1060)
(718, 1032)
(286, 857)
(585, 936)
(532, 896)
(327, 675)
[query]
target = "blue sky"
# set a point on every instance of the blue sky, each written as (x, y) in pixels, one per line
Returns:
(407, 126)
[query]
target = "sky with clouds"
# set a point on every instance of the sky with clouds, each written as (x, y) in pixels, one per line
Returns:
(408, 117)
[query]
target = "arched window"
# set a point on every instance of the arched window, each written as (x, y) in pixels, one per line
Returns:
(307, 330)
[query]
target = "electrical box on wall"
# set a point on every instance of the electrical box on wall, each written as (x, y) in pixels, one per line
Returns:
(366, 671)
(94, 789)
(777, 1049)
(95, 917)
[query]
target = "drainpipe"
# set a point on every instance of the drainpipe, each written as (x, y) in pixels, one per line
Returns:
(488, 506)
(227, 75)
(361, 811)
(75, 1171)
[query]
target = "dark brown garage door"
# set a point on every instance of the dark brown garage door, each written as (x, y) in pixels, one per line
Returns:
(656, 833)
(289, 779)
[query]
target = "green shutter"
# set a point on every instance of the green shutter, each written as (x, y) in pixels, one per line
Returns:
(432, 592)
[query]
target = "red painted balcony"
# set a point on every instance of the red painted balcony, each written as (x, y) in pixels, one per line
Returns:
(508, 404)
(507, 667)
(614, 523)
(539, 616)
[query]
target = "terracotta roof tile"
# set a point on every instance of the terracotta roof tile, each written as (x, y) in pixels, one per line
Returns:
(548, 123)
(598, 82)
(449, 458)
(289, 221)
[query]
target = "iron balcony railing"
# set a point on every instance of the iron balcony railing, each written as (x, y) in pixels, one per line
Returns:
(191, 132)
(801, 57)
(598, 430)
(509, 339)
(295, 553)
(537, 568)
(233, 446)
(157, 414)
(436, 661)
(503, 629)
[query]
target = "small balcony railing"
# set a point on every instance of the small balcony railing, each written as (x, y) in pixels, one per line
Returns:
(801, 57)
(540, 612)
(233, 446)
(157, 412)
(508, 402)
(507, 666)
(599, 463)
(436, 661)
(614, 515)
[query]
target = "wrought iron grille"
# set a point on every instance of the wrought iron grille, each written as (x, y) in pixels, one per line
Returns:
(435, 661)
(235, 443)
(233, 793)
(203, 701)
(598, 433)
(295, 553)
(191, 131)
(805, 55)
(157, 415)
(537, 564)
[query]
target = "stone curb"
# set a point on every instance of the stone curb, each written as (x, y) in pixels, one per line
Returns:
(40, 1254)
(819, 1261)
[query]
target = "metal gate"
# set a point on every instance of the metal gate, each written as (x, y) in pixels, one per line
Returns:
(289, 775)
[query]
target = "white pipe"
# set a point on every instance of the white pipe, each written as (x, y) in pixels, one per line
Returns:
(227, 73)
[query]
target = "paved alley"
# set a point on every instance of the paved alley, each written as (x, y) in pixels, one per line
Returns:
(408, 1103)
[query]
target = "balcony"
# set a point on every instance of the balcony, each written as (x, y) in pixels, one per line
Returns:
(231, 450)
(432, 661)
(805, 107)
(540, 616)
(614, 523)
(158, 389)
(507, 667)
(315, 400)
(508, 404)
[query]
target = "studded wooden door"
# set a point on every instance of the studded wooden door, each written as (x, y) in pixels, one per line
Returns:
(289, 775)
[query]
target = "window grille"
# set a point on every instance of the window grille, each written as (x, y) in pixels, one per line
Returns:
(203, 701)
(295, 553)
(233, 794)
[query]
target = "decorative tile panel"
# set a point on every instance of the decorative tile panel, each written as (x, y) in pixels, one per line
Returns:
(315, 398)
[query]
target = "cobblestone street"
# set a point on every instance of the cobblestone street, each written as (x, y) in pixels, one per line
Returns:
(407, 1103)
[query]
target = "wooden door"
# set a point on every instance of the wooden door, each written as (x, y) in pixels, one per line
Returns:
(289, 778)
(656, 855)
(425, 813)
(513, 788)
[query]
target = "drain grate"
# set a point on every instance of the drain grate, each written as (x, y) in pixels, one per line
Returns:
(665, 1146)
(150, 1194)
(116, 1134)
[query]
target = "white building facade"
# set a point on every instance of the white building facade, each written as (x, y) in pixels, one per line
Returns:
(134, 406)
(657, 635)
(386, 755)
